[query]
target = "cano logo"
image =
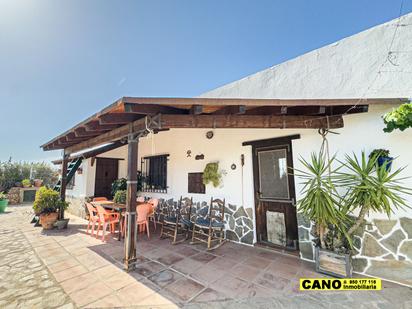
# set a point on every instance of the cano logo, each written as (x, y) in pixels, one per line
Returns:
(340, 284)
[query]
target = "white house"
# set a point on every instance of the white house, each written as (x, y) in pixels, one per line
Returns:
(267, 122)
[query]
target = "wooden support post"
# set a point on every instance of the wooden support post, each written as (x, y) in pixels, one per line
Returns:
(63, 183)
(130, 221)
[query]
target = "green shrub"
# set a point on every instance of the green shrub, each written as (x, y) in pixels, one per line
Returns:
(3, 196)
(120, 197)
(14, 172)
(26, 182)
(400, 118)
(48, 201)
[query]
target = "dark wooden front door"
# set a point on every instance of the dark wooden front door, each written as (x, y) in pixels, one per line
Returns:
(106, 173)
(276, 223)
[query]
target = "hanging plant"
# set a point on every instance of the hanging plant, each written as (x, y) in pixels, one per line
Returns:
(400, 118)
(211, 174)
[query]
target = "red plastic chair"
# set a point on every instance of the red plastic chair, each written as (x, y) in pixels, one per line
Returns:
(93, 217)
(154, 202)
(143, 212)
(106, 218)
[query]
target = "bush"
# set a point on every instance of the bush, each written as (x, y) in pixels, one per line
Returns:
(3, 196)
(26, 182)
(14, 172)
(48, 201)
(120, 197)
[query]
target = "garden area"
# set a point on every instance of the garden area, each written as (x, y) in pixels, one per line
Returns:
(19, 181)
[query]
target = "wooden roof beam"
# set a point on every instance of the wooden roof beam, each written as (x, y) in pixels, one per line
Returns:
(231, 109)
(214, 121)
(118, 118)
(196, 110)
(82, 132)
(152, 109)
(96, 126)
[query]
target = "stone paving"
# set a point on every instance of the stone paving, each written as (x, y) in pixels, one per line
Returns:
(25, 281)
(88, 272)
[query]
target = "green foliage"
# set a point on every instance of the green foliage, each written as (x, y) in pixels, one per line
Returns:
(400, 118)
(211, 174)
(120, 197)
(379, 153)
(14, 172)
(321, 201)
(371, 187)
(331, 195)
(48, 201)
(26, 182)
(119, 184)
(3, 196)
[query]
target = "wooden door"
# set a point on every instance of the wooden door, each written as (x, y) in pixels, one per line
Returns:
(106, 173)
(276, 223)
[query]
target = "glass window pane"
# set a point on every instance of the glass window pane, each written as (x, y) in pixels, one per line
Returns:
(273, 173)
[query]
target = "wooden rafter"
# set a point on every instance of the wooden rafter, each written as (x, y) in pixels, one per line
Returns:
(118, 118)
(152, 109)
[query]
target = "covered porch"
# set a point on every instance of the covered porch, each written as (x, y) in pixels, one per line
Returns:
(129, 119)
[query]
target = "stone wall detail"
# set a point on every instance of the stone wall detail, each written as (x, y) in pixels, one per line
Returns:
(238, 219)
(382, 248)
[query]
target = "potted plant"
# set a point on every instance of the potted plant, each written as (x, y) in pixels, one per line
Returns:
(364, 186)
(370, 187)
(119, 184)
(38, 183)
(120, 197)
(321, 204)
(47, 205)
(383, 157)
(211, 174)
(26, 183)
(3, 202)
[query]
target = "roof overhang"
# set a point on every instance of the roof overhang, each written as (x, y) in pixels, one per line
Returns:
(205, 113)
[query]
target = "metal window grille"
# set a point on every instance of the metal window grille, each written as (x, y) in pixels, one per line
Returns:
(154, 172)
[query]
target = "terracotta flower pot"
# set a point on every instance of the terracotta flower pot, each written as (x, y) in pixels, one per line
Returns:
(47, 220)
(38, 183)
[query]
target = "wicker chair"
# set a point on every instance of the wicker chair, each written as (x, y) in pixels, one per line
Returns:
(209, 229)
(178, 221)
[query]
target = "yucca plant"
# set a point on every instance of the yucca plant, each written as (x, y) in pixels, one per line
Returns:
(321, 201)
(370, 187)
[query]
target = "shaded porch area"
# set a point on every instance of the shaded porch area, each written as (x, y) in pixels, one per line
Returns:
(168, 276)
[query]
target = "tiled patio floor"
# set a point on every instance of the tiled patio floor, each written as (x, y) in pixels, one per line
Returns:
(166, 275)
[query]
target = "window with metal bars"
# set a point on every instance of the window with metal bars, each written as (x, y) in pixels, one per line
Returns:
(154, 173)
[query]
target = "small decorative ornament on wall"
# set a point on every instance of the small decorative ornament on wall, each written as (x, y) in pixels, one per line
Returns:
(209, 134)
(233, 166)
(189, 153)
(200, 157)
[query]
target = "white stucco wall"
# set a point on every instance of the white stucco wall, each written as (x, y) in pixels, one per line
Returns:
(361, 132)
(345, 69)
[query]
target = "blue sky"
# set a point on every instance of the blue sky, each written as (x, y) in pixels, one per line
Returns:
(61, 61)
